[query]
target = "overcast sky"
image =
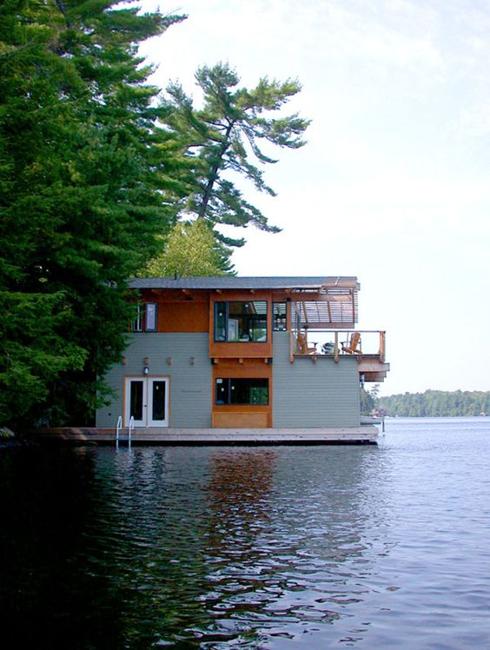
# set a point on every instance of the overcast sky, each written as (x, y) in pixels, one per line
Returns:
(393, 183)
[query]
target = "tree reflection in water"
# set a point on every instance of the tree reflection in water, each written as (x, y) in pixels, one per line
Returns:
(188, 547)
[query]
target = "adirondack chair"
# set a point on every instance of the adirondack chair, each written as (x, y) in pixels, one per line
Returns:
(353, 345)
(303, 346)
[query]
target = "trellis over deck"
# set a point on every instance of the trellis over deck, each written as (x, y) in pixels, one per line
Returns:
(322, 326)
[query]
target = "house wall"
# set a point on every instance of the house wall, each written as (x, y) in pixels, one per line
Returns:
(190, 384)
(303, 393)
(308, 394)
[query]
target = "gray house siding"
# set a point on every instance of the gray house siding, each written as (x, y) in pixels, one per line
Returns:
(305, 394)
(308, 394)
(184, 358)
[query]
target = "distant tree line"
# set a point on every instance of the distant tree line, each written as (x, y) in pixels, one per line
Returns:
(435, 403)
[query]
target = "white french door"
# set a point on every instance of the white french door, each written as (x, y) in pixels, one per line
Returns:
(146, 400)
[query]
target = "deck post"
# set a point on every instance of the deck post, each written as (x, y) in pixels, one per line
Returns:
(382, 343)
(291, 346)
(336, 350)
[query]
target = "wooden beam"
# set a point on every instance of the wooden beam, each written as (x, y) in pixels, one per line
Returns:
(382, 346)
(292, 343)
(304, 312)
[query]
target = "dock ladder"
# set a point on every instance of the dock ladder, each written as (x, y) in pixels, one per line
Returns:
(118, 430)
(130, 430)
(119, 426)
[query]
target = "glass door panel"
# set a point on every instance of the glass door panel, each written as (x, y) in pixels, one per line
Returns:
(136, 401)
(157, 406)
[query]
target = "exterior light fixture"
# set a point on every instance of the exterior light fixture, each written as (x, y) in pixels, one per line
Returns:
(146, 365)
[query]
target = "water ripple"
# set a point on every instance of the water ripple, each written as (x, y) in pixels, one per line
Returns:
(252, 547)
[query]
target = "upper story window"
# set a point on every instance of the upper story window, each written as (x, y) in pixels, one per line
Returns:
(240, 321)
(279, 316)
(242, 391)
(146, 318)
(137, 323)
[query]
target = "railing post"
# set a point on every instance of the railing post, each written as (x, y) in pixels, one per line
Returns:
(382, 343)
(336, 349)
(291, 346)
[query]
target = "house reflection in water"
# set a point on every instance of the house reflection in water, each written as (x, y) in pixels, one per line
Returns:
(239, 495)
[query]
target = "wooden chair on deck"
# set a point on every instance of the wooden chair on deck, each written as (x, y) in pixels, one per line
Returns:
(353, 346)
(303, 347)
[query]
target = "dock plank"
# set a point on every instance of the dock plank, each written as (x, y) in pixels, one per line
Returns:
(172, 436)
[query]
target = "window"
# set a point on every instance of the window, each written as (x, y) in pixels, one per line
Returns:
(279, 316)
(242, 391)
(146, 318)
(240, 321)
(137, 324)
(151, 317)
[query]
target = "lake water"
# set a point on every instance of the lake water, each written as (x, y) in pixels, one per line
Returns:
(243, 547)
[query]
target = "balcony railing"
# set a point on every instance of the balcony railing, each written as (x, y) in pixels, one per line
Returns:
(336, 343)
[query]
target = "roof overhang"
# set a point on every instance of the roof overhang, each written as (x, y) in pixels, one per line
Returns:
(292, 283)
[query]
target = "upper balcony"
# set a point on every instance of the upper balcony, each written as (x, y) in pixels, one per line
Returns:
(368, 347)
(323, 328)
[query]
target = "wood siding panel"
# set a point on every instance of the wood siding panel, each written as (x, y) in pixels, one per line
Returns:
(240, 420)
(182, 316)
(307, 394)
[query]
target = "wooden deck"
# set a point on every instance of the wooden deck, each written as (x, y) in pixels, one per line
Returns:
(165, 436)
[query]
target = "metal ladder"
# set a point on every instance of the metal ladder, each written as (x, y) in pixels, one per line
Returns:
(130, 430)
(118, 430)
(119, 426)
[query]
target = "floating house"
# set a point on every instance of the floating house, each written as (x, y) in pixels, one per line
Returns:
(245, 359)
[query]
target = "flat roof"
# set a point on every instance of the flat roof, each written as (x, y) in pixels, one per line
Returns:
(250, 282)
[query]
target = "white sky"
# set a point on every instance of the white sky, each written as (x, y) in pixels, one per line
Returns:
(393, 183)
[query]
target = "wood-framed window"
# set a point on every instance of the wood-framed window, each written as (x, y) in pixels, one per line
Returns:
(279, 316)
(242, 391)
(137, 323)
(146, 318)
(240, 321)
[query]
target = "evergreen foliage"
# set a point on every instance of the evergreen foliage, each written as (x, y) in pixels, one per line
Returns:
(436, 403)
(367, 401)
(227, 137)
(94, 175)
(83, 164)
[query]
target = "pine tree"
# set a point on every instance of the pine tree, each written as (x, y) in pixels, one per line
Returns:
(229, 136)
(88, 181)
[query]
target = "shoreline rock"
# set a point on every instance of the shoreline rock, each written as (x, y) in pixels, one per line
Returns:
(6, 434)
